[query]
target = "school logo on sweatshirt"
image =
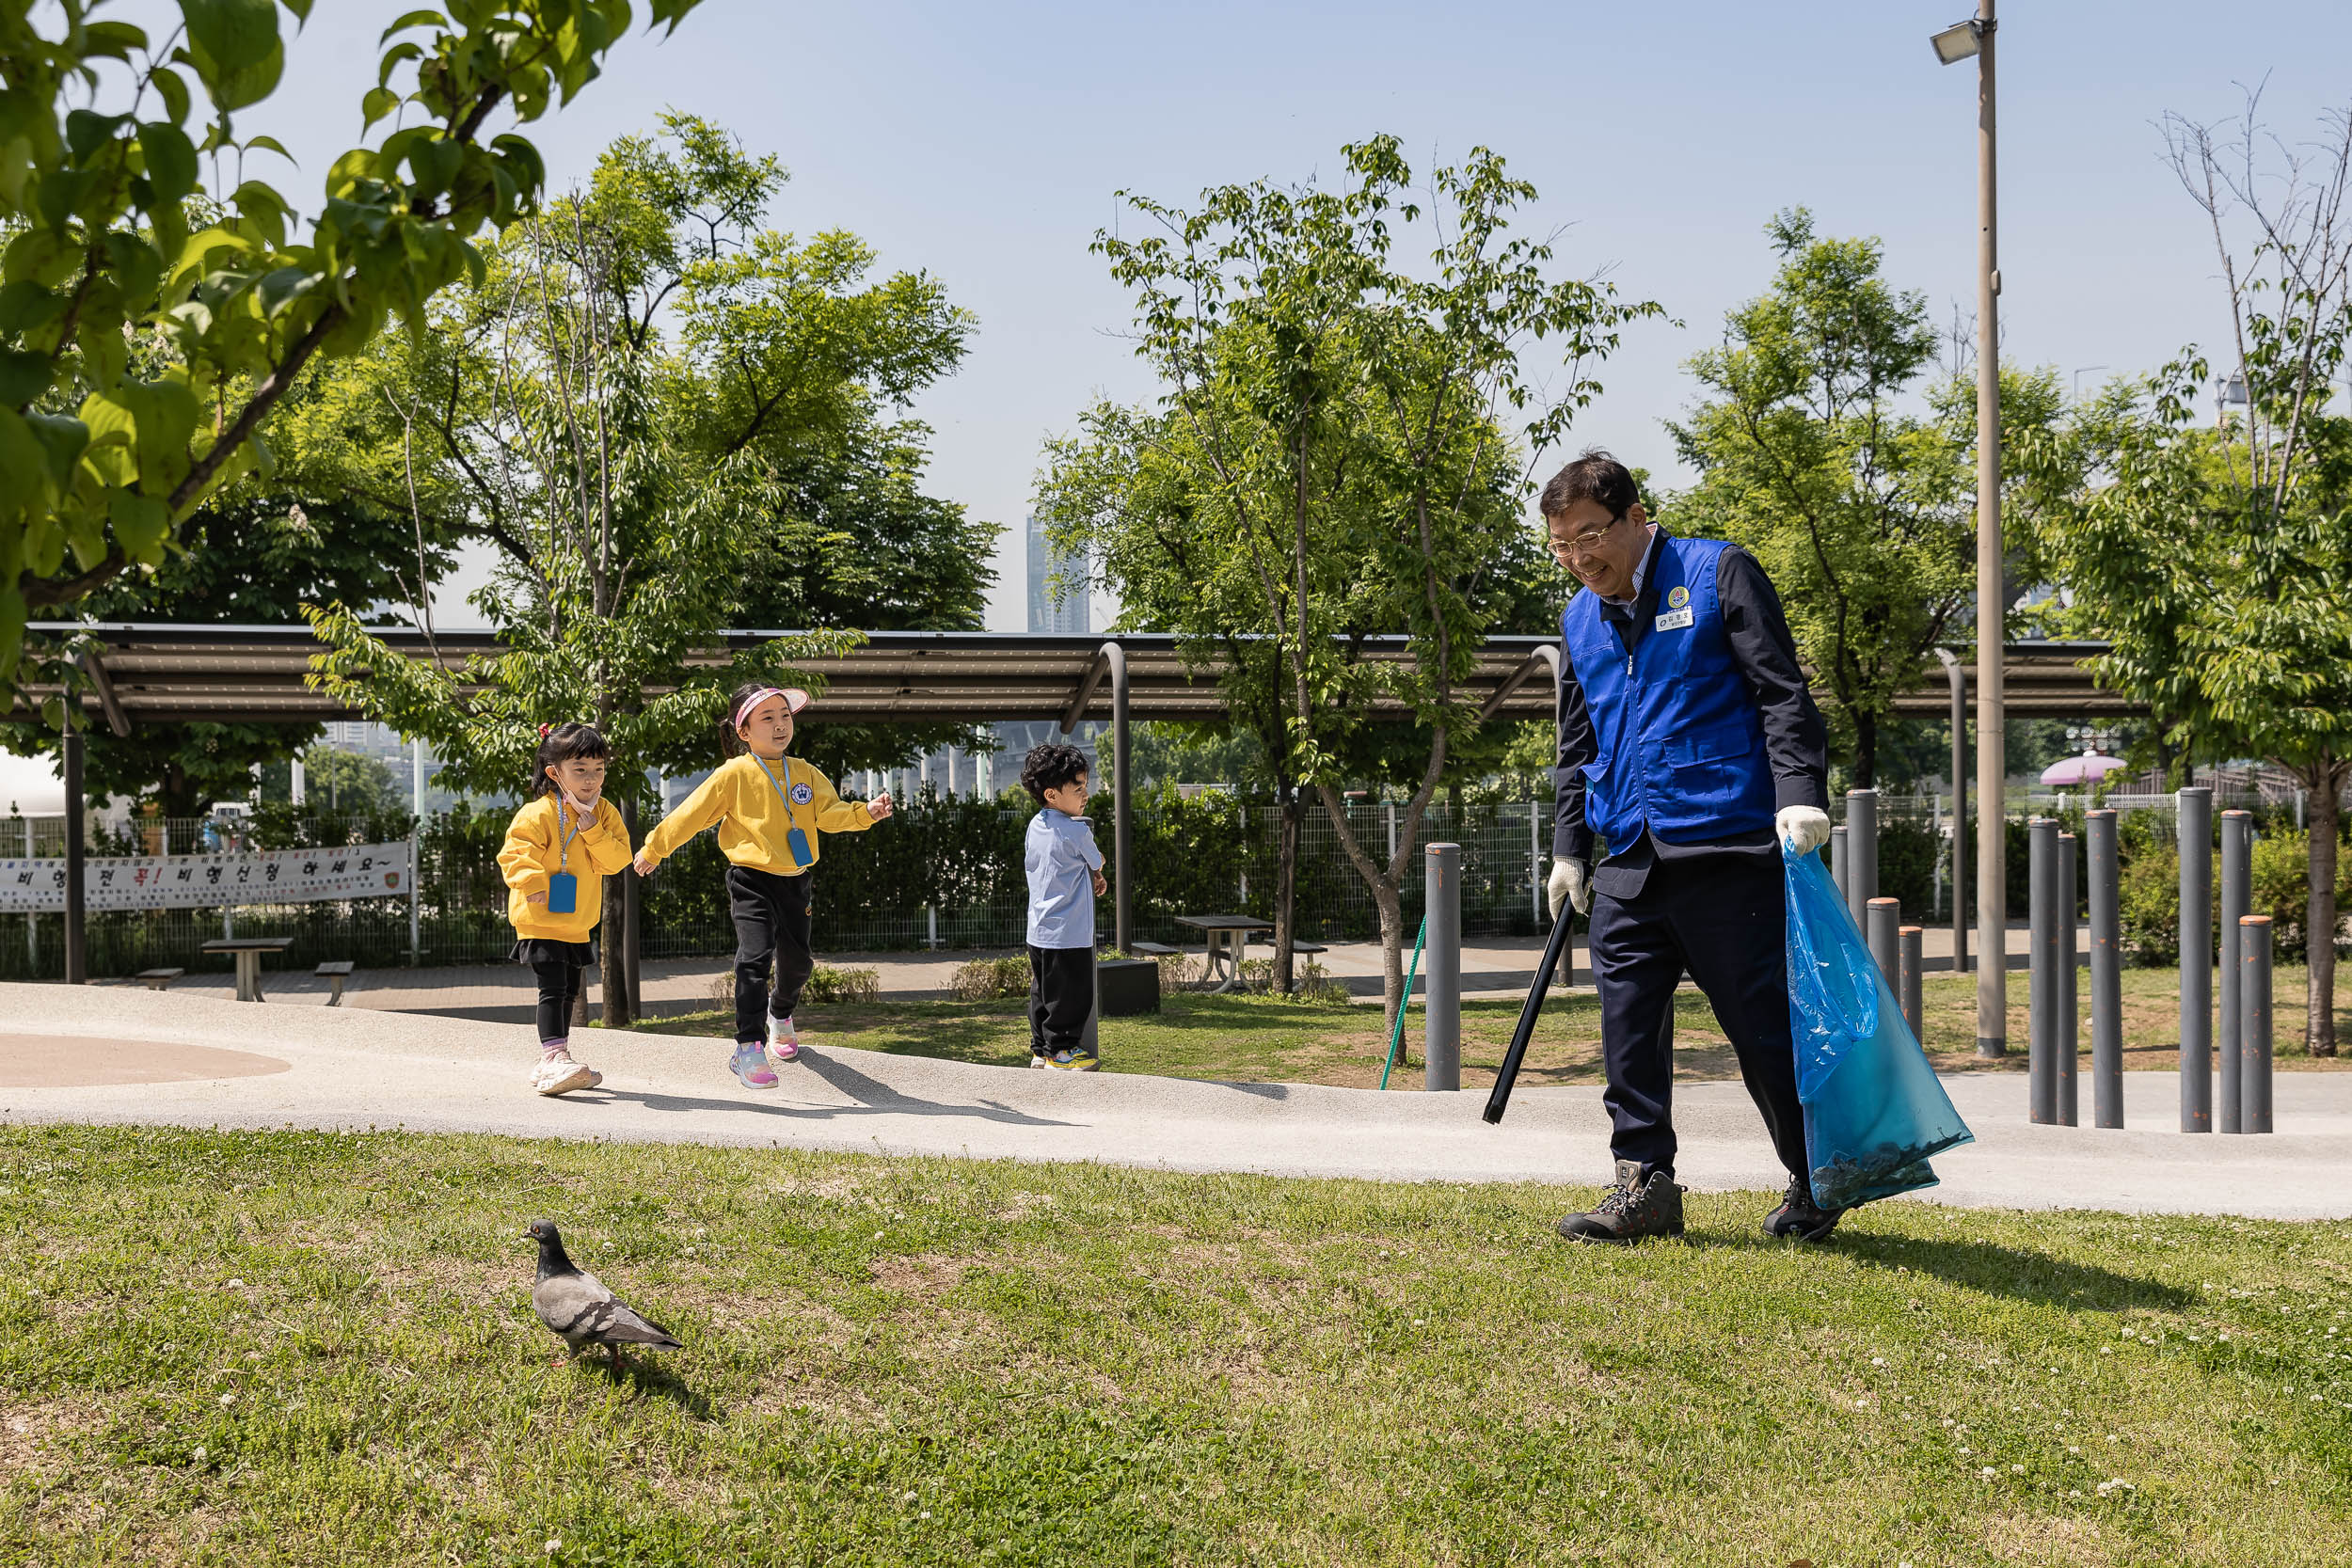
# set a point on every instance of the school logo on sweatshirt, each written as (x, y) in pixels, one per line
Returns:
(803, 795)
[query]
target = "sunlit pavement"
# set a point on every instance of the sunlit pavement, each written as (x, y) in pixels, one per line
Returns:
(121, 1055)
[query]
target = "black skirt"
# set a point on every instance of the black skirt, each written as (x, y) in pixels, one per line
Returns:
(546, 950)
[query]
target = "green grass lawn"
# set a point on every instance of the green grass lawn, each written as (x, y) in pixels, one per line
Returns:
(309, 1349)
(1255, 1037)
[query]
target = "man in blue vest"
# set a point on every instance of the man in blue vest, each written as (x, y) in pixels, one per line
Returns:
(1690, 749)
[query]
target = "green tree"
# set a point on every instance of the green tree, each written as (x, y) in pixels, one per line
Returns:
(610, 407)
(880, 555)
(254, 552)
(107, 451)
(339, 783)
(1860, 509)
(1340, 450)
(2218, 561)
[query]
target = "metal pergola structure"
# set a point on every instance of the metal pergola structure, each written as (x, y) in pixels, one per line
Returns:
(174, 673)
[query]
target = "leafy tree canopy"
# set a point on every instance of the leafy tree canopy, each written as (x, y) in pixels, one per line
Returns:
(1816, 452)
(107, 132)
(655, 409)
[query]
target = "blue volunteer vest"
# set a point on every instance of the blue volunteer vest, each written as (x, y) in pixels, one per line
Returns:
(1680, 740)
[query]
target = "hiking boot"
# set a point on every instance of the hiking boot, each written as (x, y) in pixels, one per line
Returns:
(1641, 1204)
(1800, 1216)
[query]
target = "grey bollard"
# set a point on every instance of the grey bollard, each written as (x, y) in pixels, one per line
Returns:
(2238, 902)
(2069, 1014)
(2106, 970)
(1089, 1040)
(2041, 988)
(1862, 851)
(1881, 921)
(1441, 1042)
(2195, 823)
(1841, 863)
(2253, 949)
(1908, 989)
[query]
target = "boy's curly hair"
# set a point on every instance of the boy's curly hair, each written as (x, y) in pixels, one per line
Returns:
(1050, 766)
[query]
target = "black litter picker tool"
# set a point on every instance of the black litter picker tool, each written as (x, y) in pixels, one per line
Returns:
(1500, 1097)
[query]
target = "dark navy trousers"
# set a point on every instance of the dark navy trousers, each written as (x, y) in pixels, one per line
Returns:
(1721, 918)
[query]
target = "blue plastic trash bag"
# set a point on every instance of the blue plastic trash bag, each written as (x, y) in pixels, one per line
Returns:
(1873, 1110)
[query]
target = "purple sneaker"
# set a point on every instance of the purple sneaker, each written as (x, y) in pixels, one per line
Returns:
(750, 1065)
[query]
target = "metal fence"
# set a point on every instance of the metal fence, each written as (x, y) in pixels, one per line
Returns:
(946, 872)
(943, 872)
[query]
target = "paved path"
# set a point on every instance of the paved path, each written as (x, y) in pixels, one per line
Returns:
(355, 1068)
(505, 993)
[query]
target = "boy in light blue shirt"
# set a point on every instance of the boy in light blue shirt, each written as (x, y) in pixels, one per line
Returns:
(1065, 872)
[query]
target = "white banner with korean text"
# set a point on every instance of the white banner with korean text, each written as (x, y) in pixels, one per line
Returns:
(210, 881)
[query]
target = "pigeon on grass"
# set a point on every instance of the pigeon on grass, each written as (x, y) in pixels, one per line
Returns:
(576, 1305)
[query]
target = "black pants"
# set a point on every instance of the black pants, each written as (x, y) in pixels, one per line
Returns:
(1061, 995)
(770, 933)
(1722, 918)
(559, 987)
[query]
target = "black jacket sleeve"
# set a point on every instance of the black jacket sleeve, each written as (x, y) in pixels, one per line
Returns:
(1795, 737)
(1571, 836)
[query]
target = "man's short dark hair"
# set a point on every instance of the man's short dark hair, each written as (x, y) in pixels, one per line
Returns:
(1051, 766)
(1594, 477)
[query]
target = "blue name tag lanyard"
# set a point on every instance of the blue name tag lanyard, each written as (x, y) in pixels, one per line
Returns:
(564, 887)
(794, 839)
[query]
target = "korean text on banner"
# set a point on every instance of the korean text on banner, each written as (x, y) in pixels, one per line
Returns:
(210, 881)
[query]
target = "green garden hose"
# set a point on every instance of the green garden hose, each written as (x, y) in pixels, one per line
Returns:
(1396, 1036)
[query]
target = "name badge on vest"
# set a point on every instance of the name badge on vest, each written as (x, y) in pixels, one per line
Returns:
(1677, 609)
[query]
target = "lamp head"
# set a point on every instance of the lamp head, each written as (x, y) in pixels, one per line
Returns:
(1959, 41)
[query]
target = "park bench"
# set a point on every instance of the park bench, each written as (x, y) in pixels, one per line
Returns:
(1309, 948)
(157, 979)
(334, 975)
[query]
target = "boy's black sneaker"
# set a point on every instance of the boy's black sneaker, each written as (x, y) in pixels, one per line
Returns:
(1800, 1216)
(1641, 1204)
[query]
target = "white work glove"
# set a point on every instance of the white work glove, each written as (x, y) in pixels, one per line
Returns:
(1804, 829)
(1570, 884)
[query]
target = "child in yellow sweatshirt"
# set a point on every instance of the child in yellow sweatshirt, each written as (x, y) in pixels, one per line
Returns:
(559, 851)
(769, 810)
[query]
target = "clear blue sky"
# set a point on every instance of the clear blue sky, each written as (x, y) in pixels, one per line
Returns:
(983, 143)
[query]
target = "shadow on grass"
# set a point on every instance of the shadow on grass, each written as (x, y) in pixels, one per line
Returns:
(2018, 1272)
(649, 1377)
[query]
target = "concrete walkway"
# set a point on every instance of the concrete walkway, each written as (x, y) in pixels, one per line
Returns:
(72, 1051)
(505, 993)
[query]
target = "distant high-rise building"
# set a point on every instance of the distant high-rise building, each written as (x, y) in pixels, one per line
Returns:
(1057, 585)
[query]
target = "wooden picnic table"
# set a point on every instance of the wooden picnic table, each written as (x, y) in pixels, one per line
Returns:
(249, 951)
(1222, 936)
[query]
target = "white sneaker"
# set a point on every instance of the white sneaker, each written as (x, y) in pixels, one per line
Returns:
(560, 1074)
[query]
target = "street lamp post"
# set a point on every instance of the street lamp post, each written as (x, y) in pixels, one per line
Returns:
(1953, 45)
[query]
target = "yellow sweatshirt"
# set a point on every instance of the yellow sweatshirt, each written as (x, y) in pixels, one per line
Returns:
(753, 819)
(533, 854)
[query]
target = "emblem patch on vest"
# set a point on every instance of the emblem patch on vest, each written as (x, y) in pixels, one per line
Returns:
(1678, 597)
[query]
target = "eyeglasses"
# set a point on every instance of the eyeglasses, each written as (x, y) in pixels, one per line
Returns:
(1584, 544)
